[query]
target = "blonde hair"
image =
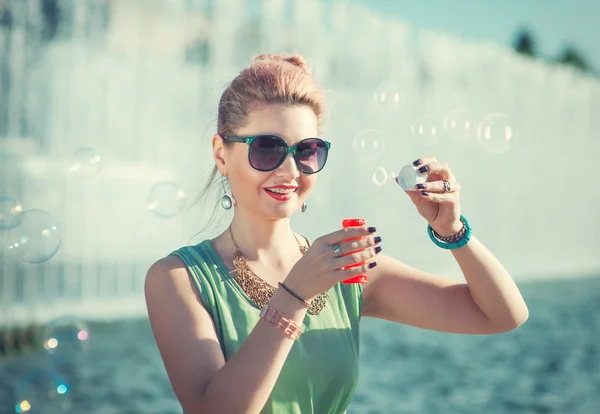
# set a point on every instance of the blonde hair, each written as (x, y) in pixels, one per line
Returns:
(269, 79)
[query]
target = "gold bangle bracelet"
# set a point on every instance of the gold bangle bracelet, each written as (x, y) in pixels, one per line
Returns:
(289, 327)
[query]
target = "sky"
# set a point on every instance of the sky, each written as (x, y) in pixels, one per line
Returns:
(553, 23)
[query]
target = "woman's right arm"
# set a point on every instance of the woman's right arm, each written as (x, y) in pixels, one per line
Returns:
(188, 343)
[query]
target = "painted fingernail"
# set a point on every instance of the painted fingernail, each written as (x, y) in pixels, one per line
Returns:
(377, 239)
(371, 229)
(377, 249)
(417, 162)
(423, 169)
(425, 193)
(372, 265)
(420, 186)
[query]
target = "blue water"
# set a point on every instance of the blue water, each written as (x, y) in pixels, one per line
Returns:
(549, 365)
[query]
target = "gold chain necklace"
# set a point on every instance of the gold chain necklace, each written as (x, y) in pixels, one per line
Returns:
(260, 291)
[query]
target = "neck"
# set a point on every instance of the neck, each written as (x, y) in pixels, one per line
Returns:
(259, 239)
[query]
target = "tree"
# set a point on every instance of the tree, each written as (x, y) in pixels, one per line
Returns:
(524, 43)
(570, 56)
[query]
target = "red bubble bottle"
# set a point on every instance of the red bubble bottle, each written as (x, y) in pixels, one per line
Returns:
(362, 278)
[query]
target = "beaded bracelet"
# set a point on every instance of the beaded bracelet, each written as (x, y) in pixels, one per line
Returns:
(455, 241)
(291, 292)
(272, 315)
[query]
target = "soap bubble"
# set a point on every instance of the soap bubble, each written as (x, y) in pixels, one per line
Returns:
(425, 130)
(42, 391)
(496, 133)
(380, 176)
(389, 97)
(10, 210)
(408, 177)
(85, 163)
(66, 338)
(36, 238)
(369, 144)
(166, 199)
(459, 124)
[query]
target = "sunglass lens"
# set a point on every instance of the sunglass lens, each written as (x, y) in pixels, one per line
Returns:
(311, 155)
(266, 152)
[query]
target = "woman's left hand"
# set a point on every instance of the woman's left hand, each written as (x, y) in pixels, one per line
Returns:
(437, 200)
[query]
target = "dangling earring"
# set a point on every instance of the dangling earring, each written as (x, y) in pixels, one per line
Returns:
(226, 202)
(304, 206)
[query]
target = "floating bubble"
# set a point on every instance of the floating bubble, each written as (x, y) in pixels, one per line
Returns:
(369, 144)
(425, 130)
(166, 199)
(389, 97)
(42, 391)
(408, 177)
(66, 338)
(85, 163)
(459, 124)
(380, 176)
(496, 133)
(10, 210)
(36, 238)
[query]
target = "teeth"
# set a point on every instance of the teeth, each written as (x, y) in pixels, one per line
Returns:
(280, 190)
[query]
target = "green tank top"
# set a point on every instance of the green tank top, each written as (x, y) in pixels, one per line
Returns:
(321, 372)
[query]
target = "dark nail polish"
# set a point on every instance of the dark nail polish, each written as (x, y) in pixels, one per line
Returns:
(371, 229)
(377, 249)
(423, 169)
(420, 186)
(425, 193)
(417, 162)
(377, 239)
(372, 265)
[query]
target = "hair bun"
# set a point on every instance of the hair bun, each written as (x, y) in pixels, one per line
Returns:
(296, 59)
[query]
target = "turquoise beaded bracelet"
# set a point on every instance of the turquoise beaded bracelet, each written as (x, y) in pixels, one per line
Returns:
(456, 245)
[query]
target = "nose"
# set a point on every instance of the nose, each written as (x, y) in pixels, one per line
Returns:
(288, 167)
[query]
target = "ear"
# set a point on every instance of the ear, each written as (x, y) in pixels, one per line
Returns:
(219, 153)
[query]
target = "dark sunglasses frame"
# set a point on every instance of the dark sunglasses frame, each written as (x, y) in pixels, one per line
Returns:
(289, 150)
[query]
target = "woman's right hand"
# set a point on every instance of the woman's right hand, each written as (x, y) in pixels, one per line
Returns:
(318, 270)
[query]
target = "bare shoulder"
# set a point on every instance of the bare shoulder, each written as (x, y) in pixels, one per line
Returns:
(165, 271)
(183, 329)
(168, 279)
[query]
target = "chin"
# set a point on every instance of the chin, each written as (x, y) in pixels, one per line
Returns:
(282, 212)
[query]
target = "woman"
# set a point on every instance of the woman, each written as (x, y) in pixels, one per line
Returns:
(255, 320)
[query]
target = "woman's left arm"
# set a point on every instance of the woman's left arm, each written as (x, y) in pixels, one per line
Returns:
(489, 302)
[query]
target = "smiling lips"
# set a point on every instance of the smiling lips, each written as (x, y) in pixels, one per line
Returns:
(281, 192)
